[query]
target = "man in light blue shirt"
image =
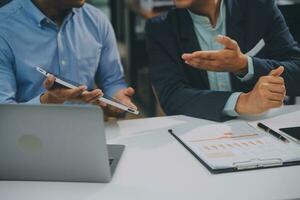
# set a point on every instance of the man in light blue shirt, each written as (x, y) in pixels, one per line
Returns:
(65, 37)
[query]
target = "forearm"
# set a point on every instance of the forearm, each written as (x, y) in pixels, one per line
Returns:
(197, 103)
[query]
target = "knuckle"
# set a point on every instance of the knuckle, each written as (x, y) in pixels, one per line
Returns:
(264, 104)
(281, 80)
(261, 92)
(234, 42)
(264, 86)
(262, 79)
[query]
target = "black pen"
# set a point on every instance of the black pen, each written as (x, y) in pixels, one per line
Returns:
(272, 132)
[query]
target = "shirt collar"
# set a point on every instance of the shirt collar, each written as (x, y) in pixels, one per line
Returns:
(204, 21)
(37, 16)
(33, 11)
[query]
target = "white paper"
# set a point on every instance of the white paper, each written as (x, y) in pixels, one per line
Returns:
(143, 125)
(225, 146)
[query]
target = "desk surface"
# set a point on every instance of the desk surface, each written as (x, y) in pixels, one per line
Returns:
(156, 166)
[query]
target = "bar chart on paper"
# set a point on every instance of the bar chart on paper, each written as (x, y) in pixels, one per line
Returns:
(223, 146)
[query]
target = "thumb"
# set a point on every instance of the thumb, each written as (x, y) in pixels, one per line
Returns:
(277, 72)
(129, 91)
(227, 42)
(49, 82)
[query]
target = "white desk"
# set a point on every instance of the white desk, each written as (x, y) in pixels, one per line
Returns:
(155, 166)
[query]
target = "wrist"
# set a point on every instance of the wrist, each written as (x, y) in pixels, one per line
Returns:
(242, 105)
(243, 65)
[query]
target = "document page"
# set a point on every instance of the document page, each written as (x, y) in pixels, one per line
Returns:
(226, 146)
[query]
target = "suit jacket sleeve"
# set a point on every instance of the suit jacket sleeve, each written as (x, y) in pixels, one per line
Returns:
(175, 93)
(281, 50)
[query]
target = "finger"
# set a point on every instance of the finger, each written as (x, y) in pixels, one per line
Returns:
(126, 101)
(100, 103)
(211, 65)
(227, 42)
(93, 99)
(129, 92)
(274, 104)
(88, 96)
(71, 93)
(208, 55)
(49, 82)
(77, 91)
(275, 96)
(186, 56)
(277, 72)
(130, 104)
(275, 88)
(273, 79)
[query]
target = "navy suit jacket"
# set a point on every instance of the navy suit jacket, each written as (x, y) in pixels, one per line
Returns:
(184, 90)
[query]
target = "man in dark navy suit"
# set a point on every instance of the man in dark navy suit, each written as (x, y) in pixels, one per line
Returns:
(199, 62)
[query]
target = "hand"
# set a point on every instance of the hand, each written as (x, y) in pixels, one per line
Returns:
(269, 92)
(60, 95)
(230, 59)
(124, 96)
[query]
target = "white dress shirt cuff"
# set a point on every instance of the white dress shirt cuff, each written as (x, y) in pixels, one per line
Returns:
(229, 108)
(250, 73)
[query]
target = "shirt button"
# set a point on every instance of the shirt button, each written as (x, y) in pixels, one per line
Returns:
(63, 62)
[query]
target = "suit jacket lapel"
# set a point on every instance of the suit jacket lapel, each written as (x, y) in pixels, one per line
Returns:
(235, 29)
(235, 23)
(187, 38)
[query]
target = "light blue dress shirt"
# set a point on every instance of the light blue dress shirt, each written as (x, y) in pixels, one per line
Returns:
(206, 34)
(83, 49)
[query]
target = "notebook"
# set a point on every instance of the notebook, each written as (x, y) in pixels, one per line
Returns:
(237, 146)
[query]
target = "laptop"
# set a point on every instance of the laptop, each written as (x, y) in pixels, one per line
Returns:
(55, 143)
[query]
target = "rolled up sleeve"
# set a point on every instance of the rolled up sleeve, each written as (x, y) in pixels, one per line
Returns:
(110, 74)
(7, 76)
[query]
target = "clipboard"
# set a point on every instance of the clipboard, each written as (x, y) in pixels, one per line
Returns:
(253, 164)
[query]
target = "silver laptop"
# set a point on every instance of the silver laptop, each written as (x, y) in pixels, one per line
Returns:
(55, 143)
